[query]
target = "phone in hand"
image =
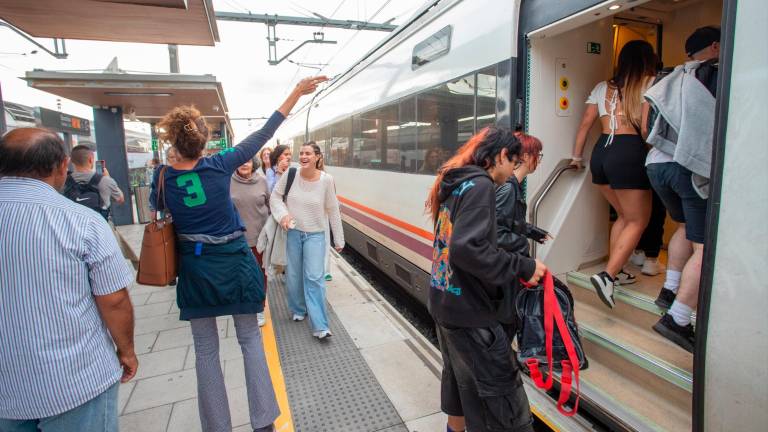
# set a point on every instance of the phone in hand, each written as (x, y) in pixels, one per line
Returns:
(100, 164)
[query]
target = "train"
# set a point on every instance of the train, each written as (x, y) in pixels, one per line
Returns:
(455, 66)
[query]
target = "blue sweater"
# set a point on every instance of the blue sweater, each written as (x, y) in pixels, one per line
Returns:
(199, 198)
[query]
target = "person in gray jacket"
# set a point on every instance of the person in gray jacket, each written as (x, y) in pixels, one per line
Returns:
(250, 194)
(681, 136)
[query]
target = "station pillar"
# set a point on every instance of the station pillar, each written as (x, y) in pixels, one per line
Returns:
(110, 144)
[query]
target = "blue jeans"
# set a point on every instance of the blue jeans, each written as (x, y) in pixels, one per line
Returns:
(97, 415)
(305, 275)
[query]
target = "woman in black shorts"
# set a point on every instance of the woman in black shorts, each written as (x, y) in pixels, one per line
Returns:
(618, 158)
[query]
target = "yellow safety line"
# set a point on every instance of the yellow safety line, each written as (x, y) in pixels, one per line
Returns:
(284, 423)
(544, 419)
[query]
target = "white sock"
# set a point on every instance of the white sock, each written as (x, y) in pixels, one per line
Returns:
(672, 282)
(681, 313)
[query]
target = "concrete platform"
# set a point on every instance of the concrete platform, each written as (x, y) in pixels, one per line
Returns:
(377, 373)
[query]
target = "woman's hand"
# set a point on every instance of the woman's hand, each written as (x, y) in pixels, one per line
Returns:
(283, 165)
(338, 248)
(541, 269)
(285, 222)
(578, 163)
(309, 85)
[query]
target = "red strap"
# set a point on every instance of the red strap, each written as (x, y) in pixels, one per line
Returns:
(552, 312)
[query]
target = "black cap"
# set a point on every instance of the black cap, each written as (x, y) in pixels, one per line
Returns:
(701, 38)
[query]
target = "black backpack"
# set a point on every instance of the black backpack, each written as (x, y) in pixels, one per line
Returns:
(706, 73)
(86, 193)
(546, 320)
(289, 182)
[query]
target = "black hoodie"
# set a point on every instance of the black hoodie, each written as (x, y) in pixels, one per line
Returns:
(468, 268)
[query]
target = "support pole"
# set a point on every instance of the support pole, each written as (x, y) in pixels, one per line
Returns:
(173, 55)
(110, 144)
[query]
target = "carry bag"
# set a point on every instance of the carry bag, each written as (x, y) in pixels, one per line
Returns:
(540, 344)
(158, 258)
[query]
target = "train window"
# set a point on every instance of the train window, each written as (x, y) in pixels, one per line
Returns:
(486, 98)
(322, 138)
(341, 132)
(407, 136)
(431, 48)
(446, 120)
(371, 133)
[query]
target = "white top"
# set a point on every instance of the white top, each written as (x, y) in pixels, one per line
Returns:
(657, 156)
(312, 204)
(597, 96)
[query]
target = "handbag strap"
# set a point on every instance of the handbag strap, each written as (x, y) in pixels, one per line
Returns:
(570, 368)
(161, 188)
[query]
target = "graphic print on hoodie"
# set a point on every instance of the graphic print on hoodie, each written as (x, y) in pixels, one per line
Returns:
(441, 267)
(469, 271)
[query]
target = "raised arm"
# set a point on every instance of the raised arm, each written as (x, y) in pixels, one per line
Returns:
(248, 147)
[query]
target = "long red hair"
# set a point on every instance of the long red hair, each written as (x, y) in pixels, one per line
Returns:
(480, 150)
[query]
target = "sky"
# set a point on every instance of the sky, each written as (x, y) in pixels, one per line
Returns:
(252, 87)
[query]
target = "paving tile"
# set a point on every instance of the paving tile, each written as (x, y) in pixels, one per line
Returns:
(163, 389)
(229, 349)
(161, 362)
(174, 338)
(185, 417)
(430, 423)
(163, 296)
(158, 323)
(238, 406)
(143, 343)
(136, 289)
(174, 309)
(367, 325)
(243, 428)
(149, 420)
(138, 299)
(396, 428)
(124, 392)
(150, 310)
(409, 384)
(234, 373)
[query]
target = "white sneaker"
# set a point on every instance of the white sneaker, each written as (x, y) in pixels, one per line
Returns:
(637, 258)
(604, 287)
(297, 317)
(624, 278)
(322, 334)
(651, 267)
(261, 319)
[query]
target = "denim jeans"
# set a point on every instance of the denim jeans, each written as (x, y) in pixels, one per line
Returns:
(97, 415)
(305, 274)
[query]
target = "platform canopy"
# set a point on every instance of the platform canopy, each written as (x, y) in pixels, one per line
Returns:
(183, 22)
(145, 97)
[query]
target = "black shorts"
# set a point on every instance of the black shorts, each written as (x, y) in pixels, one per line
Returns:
(481, 380)
(621, 164)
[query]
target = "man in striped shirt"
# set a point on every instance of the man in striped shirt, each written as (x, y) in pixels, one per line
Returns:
(66, 321)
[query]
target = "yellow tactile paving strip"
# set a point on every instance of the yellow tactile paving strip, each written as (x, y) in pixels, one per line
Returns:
(284, 423)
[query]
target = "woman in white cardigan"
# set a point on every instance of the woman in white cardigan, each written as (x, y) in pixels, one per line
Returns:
(311, 203)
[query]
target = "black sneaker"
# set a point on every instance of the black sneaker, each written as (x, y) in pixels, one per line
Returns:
(604, 286)
(665, 299)
(682, 336)
(624, 278)
(270, 428)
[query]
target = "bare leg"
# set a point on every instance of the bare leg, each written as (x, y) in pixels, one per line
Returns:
(635, 205)
(688, 294)
(456, 423)
(679, 250)
(620, 222)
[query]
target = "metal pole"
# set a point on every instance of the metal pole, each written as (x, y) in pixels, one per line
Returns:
(173, 55)
(3, 126)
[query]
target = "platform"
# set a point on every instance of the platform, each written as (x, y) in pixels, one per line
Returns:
(377, 373)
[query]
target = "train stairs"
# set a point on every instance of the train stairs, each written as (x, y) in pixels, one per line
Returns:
(638, 378)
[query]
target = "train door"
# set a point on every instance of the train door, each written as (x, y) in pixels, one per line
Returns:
(637, 380)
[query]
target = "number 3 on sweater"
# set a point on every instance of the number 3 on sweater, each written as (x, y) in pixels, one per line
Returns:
(190, 182)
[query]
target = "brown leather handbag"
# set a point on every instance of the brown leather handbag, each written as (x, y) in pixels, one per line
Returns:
(158, 260)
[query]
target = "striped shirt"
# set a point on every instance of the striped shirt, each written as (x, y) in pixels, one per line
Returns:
(55, 256)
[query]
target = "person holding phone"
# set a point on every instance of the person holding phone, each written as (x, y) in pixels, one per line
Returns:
(89, 187)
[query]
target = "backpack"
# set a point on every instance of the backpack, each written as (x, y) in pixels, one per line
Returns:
(289, 182)
(86, 193)
(540, 343)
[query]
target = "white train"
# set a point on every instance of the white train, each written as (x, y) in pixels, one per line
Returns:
(459, 65)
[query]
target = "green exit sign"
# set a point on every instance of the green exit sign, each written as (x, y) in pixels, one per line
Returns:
(154, 144)
(593, 48)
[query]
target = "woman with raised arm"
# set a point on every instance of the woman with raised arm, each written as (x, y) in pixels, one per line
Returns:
(618, 158)
(481, 384)
(305, 211)
(218, 273)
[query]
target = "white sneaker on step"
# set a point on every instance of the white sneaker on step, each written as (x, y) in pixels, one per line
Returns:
(624, 278)
(637, 258)
(651, 267)
(262, 320)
